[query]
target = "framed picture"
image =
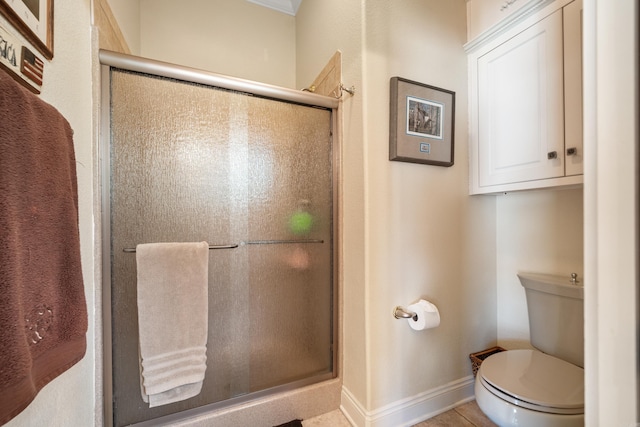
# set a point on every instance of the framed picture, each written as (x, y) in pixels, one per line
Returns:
(21, 63)
(421, 123)
(34, 20)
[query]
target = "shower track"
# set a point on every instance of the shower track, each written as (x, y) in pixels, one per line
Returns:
(164, 69)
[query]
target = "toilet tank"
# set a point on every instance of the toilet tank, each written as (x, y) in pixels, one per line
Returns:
(556, 315)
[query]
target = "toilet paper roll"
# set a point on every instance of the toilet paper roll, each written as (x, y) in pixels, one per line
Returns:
(428, 315)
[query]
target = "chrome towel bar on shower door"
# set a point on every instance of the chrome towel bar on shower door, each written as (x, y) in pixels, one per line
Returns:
(251, 242)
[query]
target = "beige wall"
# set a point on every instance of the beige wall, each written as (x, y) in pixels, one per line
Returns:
(409, 230)
(70, 399)
(127, 13)
(230, 37)
(425, 236)
(540, 232)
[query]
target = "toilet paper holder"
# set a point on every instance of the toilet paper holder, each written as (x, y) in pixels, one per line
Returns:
(401, 313)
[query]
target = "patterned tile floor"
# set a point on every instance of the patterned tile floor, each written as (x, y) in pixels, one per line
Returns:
(467, 415)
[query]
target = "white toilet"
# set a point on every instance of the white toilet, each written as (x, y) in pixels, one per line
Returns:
(542, 387)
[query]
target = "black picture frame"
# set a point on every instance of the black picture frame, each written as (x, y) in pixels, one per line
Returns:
(421, 123)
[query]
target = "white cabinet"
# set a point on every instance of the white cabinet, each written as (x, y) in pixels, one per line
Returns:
(572, 14)
(484, 14)
(520, 107)
(526, 104)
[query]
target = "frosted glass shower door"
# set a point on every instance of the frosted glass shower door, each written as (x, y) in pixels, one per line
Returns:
(189, 163)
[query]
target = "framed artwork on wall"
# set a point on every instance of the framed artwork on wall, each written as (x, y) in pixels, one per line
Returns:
(19, 61)
(34, 20)
(421, 123)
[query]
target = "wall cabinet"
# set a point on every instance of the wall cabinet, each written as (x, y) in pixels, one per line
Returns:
(526, 104)
(484, 14)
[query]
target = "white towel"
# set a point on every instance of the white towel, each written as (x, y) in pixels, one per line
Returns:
(172, 320)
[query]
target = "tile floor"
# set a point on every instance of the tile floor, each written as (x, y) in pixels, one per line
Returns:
(466, 415)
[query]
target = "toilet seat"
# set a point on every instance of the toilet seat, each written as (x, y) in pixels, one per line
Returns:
(534, 380)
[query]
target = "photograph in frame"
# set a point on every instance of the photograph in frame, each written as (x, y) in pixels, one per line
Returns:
(421, 128)
(33, 19)
(19, 61)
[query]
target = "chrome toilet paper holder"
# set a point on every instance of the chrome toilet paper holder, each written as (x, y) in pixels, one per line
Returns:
(402, 313)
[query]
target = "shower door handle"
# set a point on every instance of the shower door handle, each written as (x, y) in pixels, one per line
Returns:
(281, 242)
(229, 246)
(251, 242)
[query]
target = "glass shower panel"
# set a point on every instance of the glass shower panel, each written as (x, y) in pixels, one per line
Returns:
(190, 162)
(289, 200)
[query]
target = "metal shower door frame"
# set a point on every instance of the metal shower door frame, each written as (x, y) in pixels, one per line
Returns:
(109, 60)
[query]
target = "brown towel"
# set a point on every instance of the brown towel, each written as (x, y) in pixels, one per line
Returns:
(43, 312)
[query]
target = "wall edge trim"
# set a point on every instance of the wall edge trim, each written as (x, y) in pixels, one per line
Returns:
(411, 410)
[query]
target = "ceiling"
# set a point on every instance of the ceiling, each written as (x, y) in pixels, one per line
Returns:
(290, 7)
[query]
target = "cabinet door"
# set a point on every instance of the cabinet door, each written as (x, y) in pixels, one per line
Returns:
(572, 15)
(521, 112)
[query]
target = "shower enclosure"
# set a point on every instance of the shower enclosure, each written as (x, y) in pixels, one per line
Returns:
(250, 169)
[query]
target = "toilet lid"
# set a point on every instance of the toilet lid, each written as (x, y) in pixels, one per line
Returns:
(533, 379)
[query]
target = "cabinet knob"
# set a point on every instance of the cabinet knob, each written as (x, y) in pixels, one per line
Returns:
(552, 155)
(572, 151)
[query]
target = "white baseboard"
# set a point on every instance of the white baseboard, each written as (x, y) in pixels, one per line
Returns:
(411, 410)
